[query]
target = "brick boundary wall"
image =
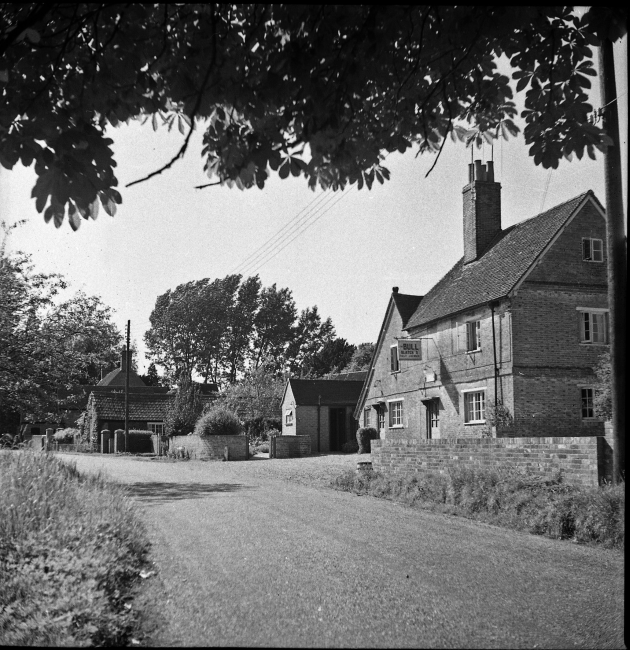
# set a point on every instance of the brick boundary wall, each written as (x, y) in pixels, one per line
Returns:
(290, 446)
(582, 461)
(213, 447)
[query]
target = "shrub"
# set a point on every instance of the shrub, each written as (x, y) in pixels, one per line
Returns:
(364, 436)
(350, 447)
(260, 426)
(70, 549)
(218, 421)
(66, 435)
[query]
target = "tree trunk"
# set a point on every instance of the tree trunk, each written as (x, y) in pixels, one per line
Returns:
(617, 260)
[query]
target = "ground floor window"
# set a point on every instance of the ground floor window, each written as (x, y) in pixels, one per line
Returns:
(366, 416)
(396, 414)
(156, 427)
(588, 410)
(475, 407)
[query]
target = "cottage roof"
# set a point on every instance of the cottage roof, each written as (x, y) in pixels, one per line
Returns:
(500, 268)
(141, 406)
(308, 391)
(117, 378)
(406, 305)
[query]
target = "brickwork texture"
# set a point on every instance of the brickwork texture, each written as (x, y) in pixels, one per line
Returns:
(213, 447)
(582, 461)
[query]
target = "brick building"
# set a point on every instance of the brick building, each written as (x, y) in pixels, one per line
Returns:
(518, 323)
(322, 409)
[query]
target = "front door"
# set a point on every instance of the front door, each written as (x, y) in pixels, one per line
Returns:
(433, 419)
(337, 428)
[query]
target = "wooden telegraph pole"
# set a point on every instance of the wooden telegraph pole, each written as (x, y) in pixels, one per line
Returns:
(617, 260)
(127, 388)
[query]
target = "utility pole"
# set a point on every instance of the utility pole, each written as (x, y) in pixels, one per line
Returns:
(617, 255)
(128, 358)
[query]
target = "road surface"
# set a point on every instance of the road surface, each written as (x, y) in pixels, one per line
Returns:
(245, 557)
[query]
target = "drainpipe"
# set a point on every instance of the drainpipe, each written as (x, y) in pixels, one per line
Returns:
(492, 306)
(319, 408)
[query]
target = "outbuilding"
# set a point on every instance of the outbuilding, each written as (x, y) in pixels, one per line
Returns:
(322, 409)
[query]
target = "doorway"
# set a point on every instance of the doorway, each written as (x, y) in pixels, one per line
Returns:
(433, 418)
(337, 428)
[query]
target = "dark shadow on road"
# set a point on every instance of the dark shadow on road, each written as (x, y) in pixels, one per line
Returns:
(160, 492)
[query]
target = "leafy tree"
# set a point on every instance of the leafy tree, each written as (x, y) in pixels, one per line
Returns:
(603, 397)
(362, 357)
(257, 395)
(273, 327)
(318, 91)
(151, 378)
(309, 338)
(334, 356)
(45, 343)
(184, 410)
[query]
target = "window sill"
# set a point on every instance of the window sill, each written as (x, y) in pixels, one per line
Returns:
(593, 261)
(394, 372)
(589, 344)
(396, 426)
(474, 422)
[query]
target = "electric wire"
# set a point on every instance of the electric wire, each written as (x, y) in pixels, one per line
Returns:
(275, 252)
(284, 232)
(273, 237)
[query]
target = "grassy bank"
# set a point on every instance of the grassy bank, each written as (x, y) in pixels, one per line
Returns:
(70, 550)
(506, 498)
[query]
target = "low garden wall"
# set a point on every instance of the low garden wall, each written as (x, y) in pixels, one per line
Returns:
(213, 447)
(582, 461)
(289, 446)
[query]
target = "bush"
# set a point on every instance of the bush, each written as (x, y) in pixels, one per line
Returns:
(70, 548)
(218, 421)
(364, 435)
(259, 427)
(66, 435)
(350, 447)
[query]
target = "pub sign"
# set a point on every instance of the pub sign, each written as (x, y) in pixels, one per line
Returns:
(409, 349)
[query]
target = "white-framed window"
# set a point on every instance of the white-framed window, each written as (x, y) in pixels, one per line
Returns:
(587, 396)
(394, 364)
(156, 427)
(288, 417)
(592, 249)
(469, 336)
(366, 416)
(395, 414)
(594, 326)
(475, 406)
(381, 418)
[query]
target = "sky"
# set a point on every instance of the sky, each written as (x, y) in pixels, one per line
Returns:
(340, 251)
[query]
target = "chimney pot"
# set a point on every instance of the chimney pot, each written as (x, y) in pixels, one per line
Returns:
(478, 170)
(490, 174)
(394, 289)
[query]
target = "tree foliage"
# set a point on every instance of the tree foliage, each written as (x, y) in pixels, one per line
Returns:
(221, 329)
(318, 91)
(184, 410)
(334, 357)
(46, 342)
(257, 395)
(361, 358)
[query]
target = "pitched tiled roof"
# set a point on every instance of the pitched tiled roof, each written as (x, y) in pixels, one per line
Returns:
(500, 268)
(406, 305)
(308, 391)
(141, 407)
(117, 378)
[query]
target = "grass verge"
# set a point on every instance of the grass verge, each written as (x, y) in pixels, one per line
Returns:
(508, 498)
(71, 548)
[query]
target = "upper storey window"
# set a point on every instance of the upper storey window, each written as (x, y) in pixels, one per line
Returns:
(592, 250)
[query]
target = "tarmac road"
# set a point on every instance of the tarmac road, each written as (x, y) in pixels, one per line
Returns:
(245, 557)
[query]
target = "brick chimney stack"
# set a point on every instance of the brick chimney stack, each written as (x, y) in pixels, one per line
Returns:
(482, 210)
(123, 358)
